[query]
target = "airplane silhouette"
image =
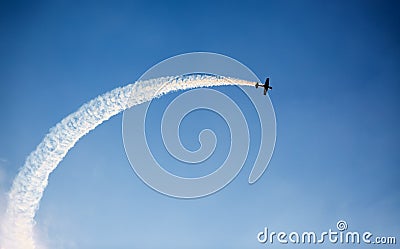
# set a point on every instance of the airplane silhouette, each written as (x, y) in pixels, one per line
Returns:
(266, 86)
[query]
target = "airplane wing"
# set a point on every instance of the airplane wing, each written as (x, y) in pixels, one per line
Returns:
(267, 81)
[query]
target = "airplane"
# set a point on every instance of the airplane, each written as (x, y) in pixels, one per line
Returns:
(266, 86)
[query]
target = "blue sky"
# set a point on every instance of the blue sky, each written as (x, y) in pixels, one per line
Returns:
(334, 68)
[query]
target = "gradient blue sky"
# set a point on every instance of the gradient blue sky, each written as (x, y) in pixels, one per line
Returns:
(335, 69)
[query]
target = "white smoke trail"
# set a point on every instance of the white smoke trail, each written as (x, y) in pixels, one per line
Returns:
(28, 186)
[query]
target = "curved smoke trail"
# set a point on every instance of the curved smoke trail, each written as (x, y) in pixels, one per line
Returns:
(28, 186)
